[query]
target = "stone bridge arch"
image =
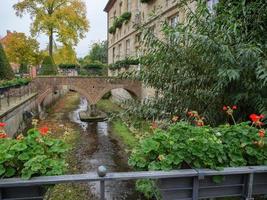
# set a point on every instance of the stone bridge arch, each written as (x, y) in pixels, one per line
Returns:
(93, 89)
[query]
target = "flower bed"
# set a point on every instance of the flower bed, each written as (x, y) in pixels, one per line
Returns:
(192, 144)
(32, 154)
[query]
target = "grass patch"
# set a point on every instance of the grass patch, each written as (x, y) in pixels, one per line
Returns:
(122, 131)
(108, 106)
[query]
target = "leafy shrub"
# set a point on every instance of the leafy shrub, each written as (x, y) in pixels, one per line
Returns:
(112, 30)
(68, 66)
(48, 66)
(124, 63)
(6, 71)
(36, 154)
(118, 21)
(187, 146)
(14, 82)
(126, 16)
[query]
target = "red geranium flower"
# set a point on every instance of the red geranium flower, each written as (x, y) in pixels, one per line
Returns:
(44, 131)
(2, 124)
(256, 119)
(225, 108)
(234, 107)
(3, 135)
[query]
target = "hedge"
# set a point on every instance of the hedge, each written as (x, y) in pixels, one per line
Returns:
(14, 82)
(124, 63)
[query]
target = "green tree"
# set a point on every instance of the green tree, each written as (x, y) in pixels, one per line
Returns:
(23, 68)
(65, 18)
(6, 72)
(48, 66)
(99, 52)
(22, 49)
(215, 58)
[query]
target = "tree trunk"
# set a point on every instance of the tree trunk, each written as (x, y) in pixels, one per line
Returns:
(51, 43)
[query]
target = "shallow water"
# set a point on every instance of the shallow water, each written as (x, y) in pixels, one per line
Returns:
(99, 147)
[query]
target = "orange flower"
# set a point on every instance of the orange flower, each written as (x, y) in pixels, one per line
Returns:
(3, 135)
(44, 131)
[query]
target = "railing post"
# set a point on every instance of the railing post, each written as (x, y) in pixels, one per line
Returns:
(102, 171)
(250, 187)
(195, 188)
(8, 100)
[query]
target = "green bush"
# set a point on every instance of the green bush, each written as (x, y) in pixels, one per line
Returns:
(187, 146)
(126, 16)
(112, 29)
(68, 66)
(48, 66)
(118, 21)
(14, 82)
(6, 71)
(124, 63)
(23, 68)
(36, 154)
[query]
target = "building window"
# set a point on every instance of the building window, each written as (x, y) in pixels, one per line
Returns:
(128, 47)
(120, 8)
(174, 20)
(129, 5)
(113, 54)
(211, 4)
(119, 52)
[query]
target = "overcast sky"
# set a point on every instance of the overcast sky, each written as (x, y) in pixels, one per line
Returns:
(95, 14)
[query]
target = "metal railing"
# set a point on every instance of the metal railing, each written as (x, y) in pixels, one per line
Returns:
(178, 184)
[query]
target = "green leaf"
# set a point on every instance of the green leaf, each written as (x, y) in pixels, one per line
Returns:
(2, 170)
(10, 171)
(19, 147)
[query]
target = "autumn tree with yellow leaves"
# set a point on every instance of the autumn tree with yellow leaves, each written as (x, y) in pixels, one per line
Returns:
(64, 20)
(22, 49)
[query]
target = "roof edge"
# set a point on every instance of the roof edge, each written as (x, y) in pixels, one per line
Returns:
(109, 5)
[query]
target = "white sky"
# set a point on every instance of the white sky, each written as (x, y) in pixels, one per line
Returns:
(95, 14)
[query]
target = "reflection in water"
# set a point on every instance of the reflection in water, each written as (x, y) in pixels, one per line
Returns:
(106, 152)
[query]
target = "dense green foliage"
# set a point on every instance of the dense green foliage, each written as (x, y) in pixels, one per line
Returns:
(14, 82)
(118, 22)
(68, 66)
(187, 146)
(127, 62)
(5, 68)
(48, 67)
(23, 68)
(33, 155)
(209, 60)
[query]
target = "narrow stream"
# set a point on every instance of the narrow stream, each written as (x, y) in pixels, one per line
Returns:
(98, 147)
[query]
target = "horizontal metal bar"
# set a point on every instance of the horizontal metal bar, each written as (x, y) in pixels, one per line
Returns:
(120, 176)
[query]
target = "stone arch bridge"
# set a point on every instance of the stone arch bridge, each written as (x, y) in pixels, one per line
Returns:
(92, 88)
